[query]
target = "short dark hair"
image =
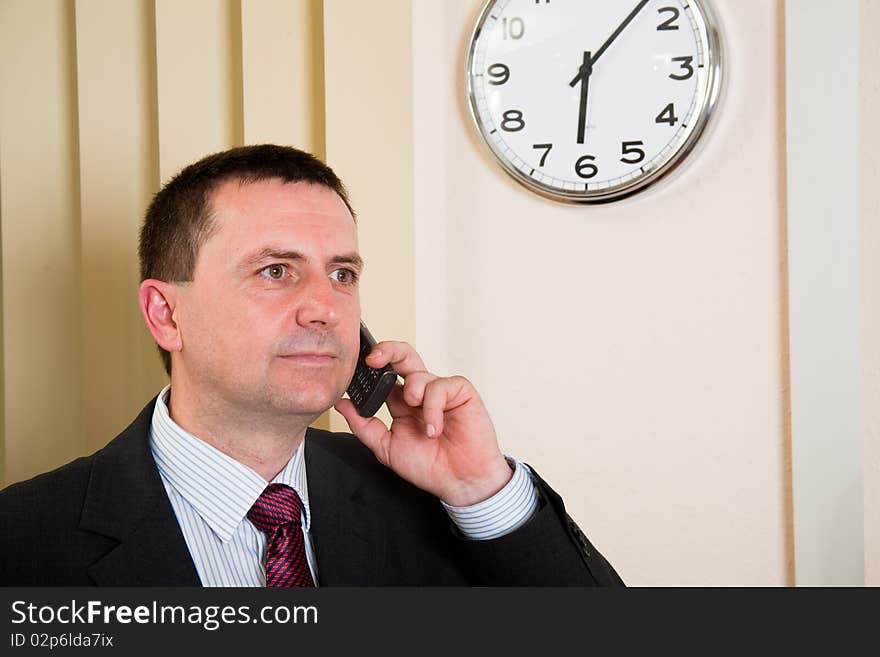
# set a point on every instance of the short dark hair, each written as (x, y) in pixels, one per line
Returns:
(178, 220)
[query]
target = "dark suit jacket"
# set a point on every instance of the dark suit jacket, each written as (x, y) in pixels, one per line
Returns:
(105, 519)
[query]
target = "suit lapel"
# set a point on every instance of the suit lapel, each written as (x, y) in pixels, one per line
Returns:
(348, 534)
(126, 501)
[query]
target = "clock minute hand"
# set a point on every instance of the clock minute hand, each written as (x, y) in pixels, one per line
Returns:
(620, 28)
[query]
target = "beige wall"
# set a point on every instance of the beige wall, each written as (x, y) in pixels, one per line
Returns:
(634, 353)
(39, 205)
(870, 208)
(631, 352)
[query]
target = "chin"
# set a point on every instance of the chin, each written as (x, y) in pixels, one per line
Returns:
(305, 402)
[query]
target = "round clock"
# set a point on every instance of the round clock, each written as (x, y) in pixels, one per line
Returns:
(589, 101)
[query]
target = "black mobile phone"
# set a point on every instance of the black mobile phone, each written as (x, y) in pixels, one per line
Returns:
(370, 387)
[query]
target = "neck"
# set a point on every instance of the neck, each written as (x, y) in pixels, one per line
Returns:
(264, 442)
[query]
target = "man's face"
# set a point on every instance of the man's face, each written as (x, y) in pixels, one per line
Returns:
(270, 321)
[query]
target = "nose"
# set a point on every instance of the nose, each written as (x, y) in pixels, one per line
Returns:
(318, 305)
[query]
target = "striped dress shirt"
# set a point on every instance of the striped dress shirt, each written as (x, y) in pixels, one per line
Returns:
(211, 494)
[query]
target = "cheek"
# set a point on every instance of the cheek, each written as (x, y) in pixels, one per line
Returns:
(349, 328)
(255, 325)
(226, 323)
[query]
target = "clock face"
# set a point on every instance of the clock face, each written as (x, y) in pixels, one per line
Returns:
(592, 100)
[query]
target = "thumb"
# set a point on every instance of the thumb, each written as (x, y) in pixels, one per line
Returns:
(371, 431)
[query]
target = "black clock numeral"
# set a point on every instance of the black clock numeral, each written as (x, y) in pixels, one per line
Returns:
(513, 28)
(686, 63)
(499, 74)
(585, 168)
(667, 115)
(513, 121)
(632, 148)
(544, 156)
(668, 23)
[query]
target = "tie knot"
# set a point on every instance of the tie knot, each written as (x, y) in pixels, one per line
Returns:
(277, 505)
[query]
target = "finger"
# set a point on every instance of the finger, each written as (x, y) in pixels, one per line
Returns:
(403, 358)
(443, 395)
(407, 397)
(414, 387)
(371, 431)
(396, 406)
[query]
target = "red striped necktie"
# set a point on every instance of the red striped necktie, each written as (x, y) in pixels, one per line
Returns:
(276, 513)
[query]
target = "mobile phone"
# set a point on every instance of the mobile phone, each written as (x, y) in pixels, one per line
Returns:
(370, 387)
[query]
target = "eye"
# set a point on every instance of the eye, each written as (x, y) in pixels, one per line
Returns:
(274, 272)
(344, 276)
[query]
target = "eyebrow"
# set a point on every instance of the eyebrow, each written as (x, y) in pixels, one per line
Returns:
(273, 253)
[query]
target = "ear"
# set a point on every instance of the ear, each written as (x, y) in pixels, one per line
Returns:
(158, 302)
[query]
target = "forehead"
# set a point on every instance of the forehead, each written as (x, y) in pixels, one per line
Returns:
(300, 216)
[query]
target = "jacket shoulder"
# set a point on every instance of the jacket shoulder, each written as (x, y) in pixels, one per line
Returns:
(346, 449)
(343, 446)
(40, 517)
(57, 488)
(68, 482)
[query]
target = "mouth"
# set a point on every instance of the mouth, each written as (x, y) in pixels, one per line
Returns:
(311, 358)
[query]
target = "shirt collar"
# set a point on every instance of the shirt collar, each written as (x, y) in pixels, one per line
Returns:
(219, 488)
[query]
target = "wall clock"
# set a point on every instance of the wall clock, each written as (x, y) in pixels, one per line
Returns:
(590, 101)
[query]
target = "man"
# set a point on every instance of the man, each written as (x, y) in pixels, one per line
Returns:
(250, 270)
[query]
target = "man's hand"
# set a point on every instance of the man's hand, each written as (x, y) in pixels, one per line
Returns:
(441, 438)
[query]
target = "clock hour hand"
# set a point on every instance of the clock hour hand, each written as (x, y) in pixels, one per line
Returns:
(620, 28)
(583, 76)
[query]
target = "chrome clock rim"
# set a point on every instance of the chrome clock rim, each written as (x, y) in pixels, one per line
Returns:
(707, 109)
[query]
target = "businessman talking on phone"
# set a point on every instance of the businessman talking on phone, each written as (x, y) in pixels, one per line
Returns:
(250, 270)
